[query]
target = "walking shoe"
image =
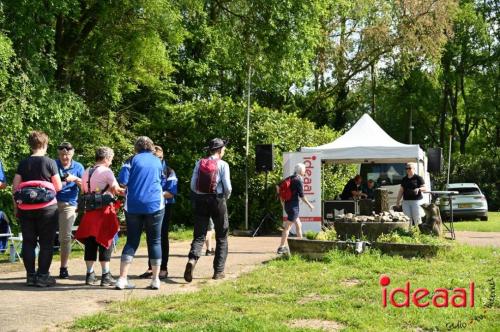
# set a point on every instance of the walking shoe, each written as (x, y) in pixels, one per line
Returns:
(282, 250)
(122, 283)
(146, 275)
(90, 278)
(45, 280)
(188, 273)
(219, 275)
(210, 252)
(31, 279)
(107, 279)
(155, 284)
(63, 273)
(163, 274)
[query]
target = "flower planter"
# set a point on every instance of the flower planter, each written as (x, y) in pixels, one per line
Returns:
(371, 230)
(409, 250)
(314, 249)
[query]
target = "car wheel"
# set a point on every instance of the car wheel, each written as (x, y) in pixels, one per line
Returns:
(484, 218)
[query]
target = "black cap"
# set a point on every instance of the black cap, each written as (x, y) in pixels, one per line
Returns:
(216, 143)
(65, 145)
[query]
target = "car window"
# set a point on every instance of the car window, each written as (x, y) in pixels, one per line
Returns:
(467, 191)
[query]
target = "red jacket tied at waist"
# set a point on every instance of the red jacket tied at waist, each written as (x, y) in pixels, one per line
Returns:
(101, 223)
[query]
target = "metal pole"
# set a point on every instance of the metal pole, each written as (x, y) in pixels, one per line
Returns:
(247, 145)
(449, 162)
(411, 125)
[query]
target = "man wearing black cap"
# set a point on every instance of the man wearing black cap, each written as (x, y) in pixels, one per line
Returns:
(71, 173)
(211, 187)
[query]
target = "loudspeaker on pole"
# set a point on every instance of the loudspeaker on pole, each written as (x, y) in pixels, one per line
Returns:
(435, 160)
(264, 157)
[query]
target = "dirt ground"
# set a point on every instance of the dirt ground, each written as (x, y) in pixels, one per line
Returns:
(35, 309)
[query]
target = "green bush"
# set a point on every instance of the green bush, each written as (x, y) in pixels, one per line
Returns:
(183, 131)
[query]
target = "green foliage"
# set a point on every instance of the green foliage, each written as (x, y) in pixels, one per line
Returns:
(311, 235)
(183, 130)
(412, 237)
(328, 234)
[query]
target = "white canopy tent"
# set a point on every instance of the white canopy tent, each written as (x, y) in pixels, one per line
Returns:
(366, 142)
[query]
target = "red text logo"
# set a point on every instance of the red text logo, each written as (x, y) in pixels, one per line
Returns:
(422, 297)
(308, 162)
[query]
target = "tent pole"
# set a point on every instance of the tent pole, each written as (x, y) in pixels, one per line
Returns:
(247, 145)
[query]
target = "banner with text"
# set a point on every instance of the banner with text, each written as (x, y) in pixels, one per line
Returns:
(311, 220)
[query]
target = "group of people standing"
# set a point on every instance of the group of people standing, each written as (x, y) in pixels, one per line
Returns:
(48, 194)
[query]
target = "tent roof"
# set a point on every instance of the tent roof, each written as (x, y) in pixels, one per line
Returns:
(367, 142)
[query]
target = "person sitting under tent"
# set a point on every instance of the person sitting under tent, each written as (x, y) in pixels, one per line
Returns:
(369, 189)
(352, 190)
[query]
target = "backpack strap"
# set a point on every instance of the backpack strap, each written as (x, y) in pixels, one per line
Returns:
(91, 172)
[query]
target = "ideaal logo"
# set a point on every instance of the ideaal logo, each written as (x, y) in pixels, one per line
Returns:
(441, 297)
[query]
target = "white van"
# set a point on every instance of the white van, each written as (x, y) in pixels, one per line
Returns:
(389, 176)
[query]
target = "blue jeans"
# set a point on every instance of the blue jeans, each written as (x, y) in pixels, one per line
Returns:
(135, 224)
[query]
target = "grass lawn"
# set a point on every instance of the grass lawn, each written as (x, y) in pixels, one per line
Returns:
(492, 225)
(342, 289)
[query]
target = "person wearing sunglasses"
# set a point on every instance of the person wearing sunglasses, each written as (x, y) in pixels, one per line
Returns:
(412, 187)
(71, 173)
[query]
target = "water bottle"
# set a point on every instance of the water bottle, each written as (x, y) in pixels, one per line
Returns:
(12, 253)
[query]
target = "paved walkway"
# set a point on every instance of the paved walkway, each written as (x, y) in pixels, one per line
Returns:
(34, 309)
(482, 239)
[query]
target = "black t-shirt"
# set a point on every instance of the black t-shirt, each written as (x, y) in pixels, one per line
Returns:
(37, 168)
(348, 189)
(409, 185)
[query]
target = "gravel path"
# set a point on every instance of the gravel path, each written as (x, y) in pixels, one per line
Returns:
(482, 239)
(34, 309)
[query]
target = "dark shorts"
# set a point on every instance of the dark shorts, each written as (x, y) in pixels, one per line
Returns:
(292, 210)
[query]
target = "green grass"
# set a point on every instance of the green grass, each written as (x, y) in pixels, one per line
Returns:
(492, 225)
(284, 290)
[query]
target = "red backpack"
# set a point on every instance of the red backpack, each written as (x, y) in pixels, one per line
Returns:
(207, 176)
(285, 189)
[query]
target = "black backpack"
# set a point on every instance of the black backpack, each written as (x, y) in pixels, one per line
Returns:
(92, 200)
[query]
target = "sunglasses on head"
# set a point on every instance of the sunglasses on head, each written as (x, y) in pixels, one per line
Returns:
(64, 149)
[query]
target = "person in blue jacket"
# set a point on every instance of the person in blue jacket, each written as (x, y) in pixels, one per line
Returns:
(3, 180)
(169, 185)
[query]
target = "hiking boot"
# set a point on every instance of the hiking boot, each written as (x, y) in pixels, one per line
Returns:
(210, 252)
(31, 279)
(282, 250)
(63, 273)
(107, 279)
(219, 275)
(155, 284)
(90, 278)
(188, 273)
(122, 283)
(45, 280)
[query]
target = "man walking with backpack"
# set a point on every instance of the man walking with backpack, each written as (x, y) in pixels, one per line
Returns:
(211, 187)
(290, 189)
